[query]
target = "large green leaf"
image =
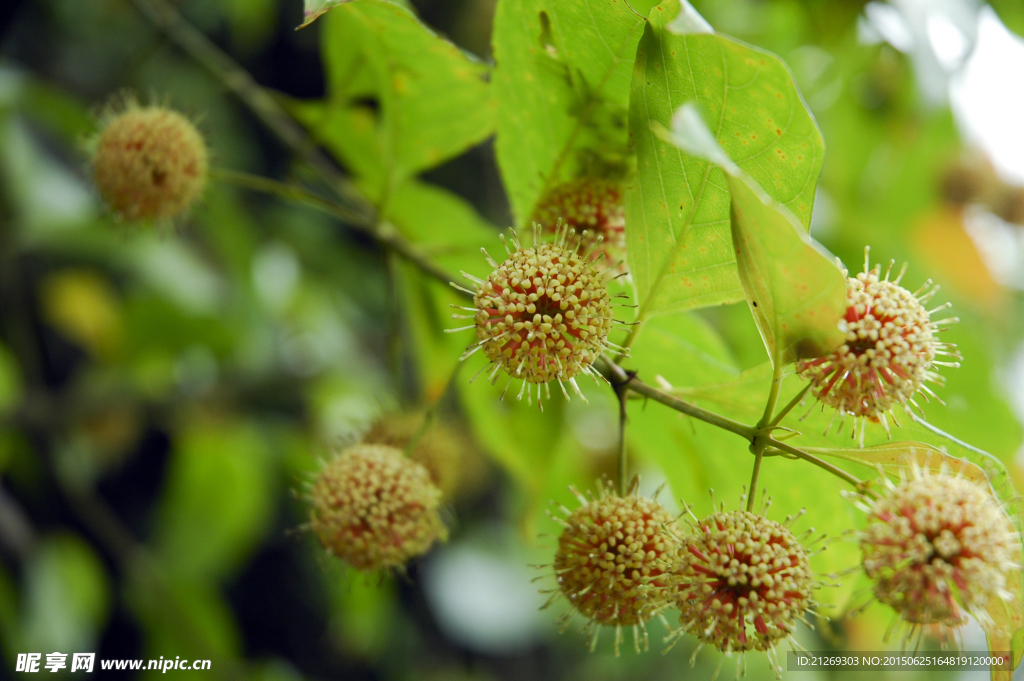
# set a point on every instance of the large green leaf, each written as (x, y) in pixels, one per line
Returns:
(218, 500)
(796, 294)
(683, 349)
(400, 98)
(562, 84)
(677, 213)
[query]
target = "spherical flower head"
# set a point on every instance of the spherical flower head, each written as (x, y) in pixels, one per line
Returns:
(937, 542)
(374, 508)
(589, 204)
(150, 163)
(743, 582)
(614, 558)
(542, 315)
(890, 351)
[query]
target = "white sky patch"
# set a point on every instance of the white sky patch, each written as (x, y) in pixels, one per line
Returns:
(948, 42)
(987, 98)
(887, 22)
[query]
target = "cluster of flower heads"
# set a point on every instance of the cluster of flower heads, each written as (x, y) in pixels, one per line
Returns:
(890, 352)
(592, 205)
(740, 581)
(542, 315)
(934, 544)
(374, 508)
(149, 162)
(937, 545)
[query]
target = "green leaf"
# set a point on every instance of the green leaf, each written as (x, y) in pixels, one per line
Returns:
(677, 213)
(796, 294)
(449, 231)
(187, 616)
(10, 380)
(218, 500)
(562, 85)
(1011, 13)
(535, 448)
(314, 9)
(683, 349)
(67, 596)
(445, 226)
(400, 100)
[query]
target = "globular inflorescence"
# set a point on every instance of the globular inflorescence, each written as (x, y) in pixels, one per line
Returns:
(592, 205)
(374, 508)
(890, 353)
(149, 163)
(613, 562)
(742, 583)
(542, 315)
(936, 545)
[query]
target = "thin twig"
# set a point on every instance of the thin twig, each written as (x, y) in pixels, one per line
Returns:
(810, 458)
(789, 406)
(614, 372)
(235, 78)
(385, 234)
(621, 388)
(764, 430)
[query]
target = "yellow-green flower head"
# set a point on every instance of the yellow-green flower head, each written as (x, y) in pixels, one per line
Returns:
(743, 582)
(149, 163)
(543, 314)
(891, 349)
(374, 508)
(613, 562)
(937, 543)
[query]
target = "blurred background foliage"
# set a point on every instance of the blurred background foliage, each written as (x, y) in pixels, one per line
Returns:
(166, 394)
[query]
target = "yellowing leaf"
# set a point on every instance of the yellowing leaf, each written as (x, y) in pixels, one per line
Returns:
(898, 458)
(83, 306)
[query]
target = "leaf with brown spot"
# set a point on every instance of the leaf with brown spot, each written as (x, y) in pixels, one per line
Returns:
(677, 211)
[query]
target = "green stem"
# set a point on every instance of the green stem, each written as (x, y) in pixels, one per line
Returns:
(620, 391)
(384, 233)
(617, 374)
(810, 458)
(773, 397)
(758, 455)
(789, 406)
(764, 429)
(236, 79)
